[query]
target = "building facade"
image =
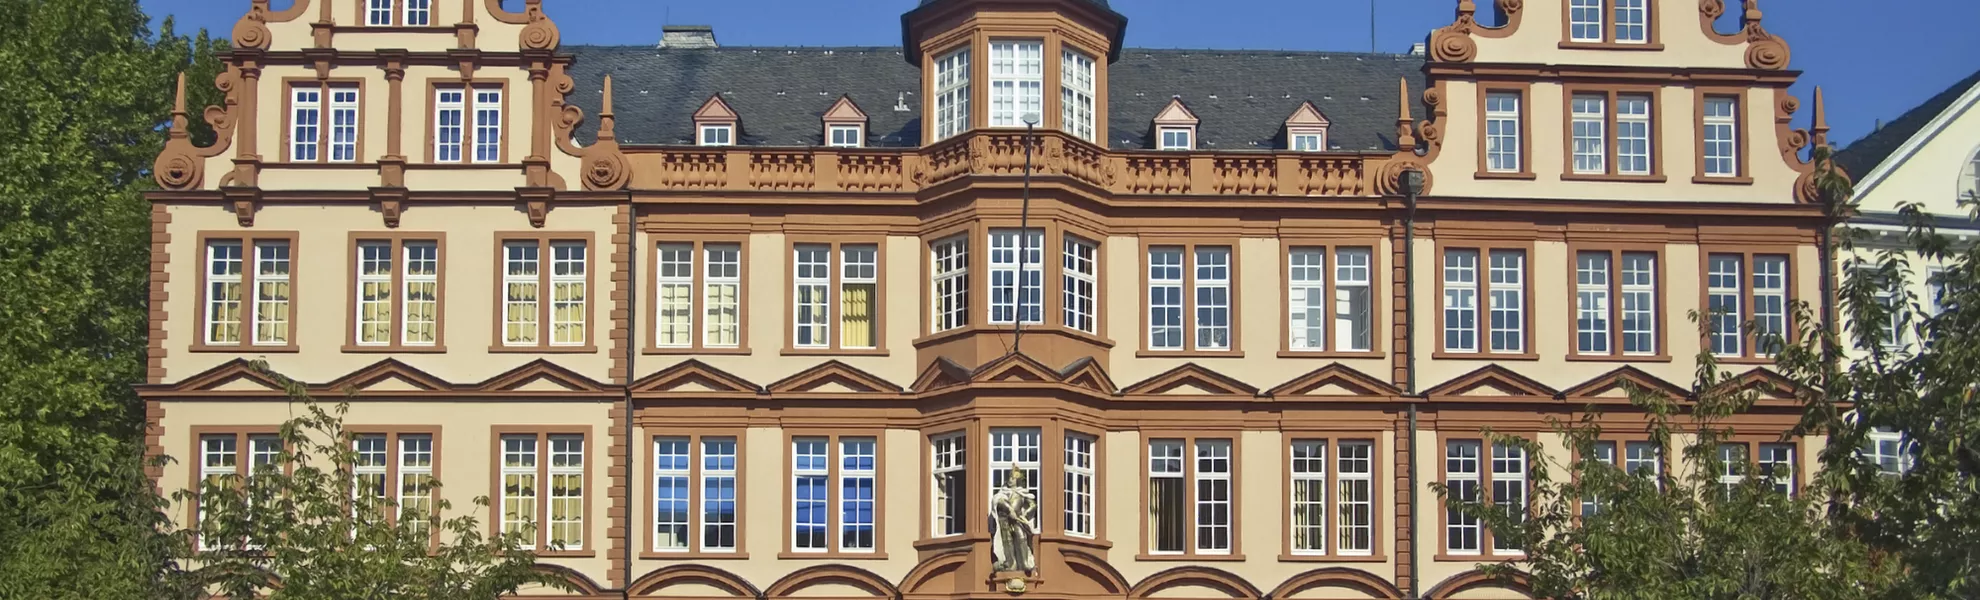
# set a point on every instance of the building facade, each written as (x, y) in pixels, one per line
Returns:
(783, 322)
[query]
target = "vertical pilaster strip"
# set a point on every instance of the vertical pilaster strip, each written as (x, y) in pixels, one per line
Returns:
(618, 505)
(1399, 328)
(154, 444)
(1404, 495)
(161, 238)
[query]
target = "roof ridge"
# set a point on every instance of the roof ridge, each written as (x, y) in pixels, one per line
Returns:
(1139, 50)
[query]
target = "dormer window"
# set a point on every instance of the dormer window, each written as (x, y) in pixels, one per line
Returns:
(952, 94)
(1017, 81)
(718, 135)
(1306, 129)
(845, 124)
(1177, 138)
(715, 123)
(400, 13)
(845, 136)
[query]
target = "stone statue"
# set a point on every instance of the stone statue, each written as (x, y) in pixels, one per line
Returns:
(1010, 511)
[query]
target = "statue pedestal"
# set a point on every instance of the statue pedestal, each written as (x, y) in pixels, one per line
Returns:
(1013, 582)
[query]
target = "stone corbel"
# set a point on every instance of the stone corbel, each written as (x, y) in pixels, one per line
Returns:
(392, 171)
(242, 200)
(536, 202)
(391, 203)
(321, 59)
(467, 57)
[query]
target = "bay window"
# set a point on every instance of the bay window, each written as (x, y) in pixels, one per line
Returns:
(1076, 96)
(952, 94)
(1017, 81)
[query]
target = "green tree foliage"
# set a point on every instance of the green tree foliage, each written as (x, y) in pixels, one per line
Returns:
(86, 87)
(291, 529)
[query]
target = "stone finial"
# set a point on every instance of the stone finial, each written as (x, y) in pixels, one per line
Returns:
(1404, 139)
(1820, 131)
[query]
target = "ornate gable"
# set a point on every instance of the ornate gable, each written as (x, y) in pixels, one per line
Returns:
(1769, 385)
(1613, 384)
(1336, 380)
(1014, 367)
(1086, 373)
(1492, 381)
(1191, 380)
(540, 376)
(389, 375)
(940, 374)
(694, 376)
(834, 377)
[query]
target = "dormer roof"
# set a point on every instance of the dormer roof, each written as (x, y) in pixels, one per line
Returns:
(715, 111)
(845, 111)
(1176, 113)
(1306, 116)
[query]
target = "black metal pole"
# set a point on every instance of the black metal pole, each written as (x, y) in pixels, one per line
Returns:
(1024, 247)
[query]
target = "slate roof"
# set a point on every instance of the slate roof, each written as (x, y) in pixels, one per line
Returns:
(1862, 156)
(1242, 97)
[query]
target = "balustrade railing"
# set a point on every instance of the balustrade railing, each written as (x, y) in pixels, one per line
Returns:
(1001, 153)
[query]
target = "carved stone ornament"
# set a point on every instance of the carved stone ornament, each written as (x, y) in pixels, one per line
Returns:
(252, 30)
(536, 203)
(242, 201)
(1453, 43)
(540, 33)
(602, 166)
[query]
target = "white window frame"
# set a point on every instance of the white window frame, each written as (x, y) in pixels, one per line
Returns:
(522, 264)
(569, 287)
(721, 268)
(219, 458)
(952, 94)
(715, 134)
(305, 123)
(1308, 142)
(1770, 299)
(1886, 450)
(1017, 272)
(1308, 468)
(450, 129)
(845, 136)
(378, 13)
(1588, 127)
(1307, 305)
(1507, 293)
(566, 472)
(1632, 21)
(375, 266)
(1021, 449)
(948, 259)
(1726, 303)
(1633, 131)
(1354, 272)
(1463, 460)
(663, 478)
(1166, 461)
(1184, 139)
(1461, 301)
(1592, 280)
(1080, 478)
(1638, 303)
(1732, 458)
(857, 461)
(1509, 471)
(1079, 274)
(1354, 494)
(274, 263)
(811, 467)
(949, 454)
(1209, 318)
(1017, 81)
(416, 453)
(225, 278)
(1502, 132)
(1165, 278)
(519, 460)
(1579, 25)
(345, 120)
(1777, 462)
(708, 446)
(1721, 131)
(1214, 463)
(859, 265)
(677, 330)
(811, 295)
(420, 271)
(1076, 96)
(418, 13)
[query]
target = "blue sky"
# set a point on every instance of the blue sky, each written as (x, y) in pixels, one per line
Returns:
(1873, 59)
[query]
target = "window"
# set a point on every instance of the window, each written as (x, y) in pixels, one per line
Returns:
(524, 313)
(1309, 142)
(1015, 450)
(409, 269)
(1721, 132)
(1886, 450)
(397, 467)
(408, 13)
(1352, 479)
(1311, 305)
(952, 94)
(1080, 284)
(1730, 298)
(1017, 81)
(1208, 276)
(828, 470)
(1079, 490)
(1732, 467)
(950, 259)
(696, 489)
(1589, 117)
(1633, 133)
(262, 312)
(1969, 179)
(835, 283)
(1503, 129)
(1466, 477)
(950, 494)
(1642, 459)
(1197, 490)
(1010, 255)
(1777, 465)
(711, 294)
(1613, 133)
(482, 141)
(1076, 93)
(1892, 337)
(309, 139)
(1585, 20)
(1176, 138)
(227, 459)
(1605, 296)
(378, 13)
(718, 135)
(535, 484)
(846, 136)
(1503, 293)
(1632, 17)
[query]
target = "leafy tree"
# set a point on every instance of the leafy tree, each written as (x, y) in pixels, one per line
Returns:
(303, 527)
(87, 86)
(1594, 530)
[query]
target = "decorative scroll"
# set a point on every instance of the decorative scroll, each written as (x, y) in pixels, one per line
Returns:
(252, 30)
(540, 33)
(602, 165)
(1453, 43)
(182, 165)
(1764, 50)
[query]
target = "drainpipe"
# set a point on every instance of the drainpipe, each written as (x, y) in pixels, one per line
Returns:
(1412, 185)
(625, 385)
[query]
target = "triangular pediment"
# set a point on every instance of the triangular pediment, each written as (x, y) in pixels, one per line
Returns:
(236, 375)
(694, 376)
(1306, 116)
(1616, 384)
(834, 377)
(1191, 380)
(940, 374)
(1335, 380)
(1014, 368)
(845, 111)
(1086, 373)
(1176, 113)
(540, 376)
(1493, 381)
(1768, 384)
(715, 110)
(389, 375)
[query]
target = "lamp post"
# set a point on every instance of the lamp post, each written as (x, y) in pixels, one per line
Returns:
(1024, 237)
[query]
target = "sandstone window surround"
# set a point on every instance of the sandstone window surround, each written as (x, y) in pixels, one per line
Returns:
(247, 292)
(544, 292)
(542, 486)
(398, 292)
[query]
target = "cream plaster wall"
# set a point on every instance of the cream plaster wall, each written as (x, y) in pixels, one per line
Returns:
(494, 35)
(323, 278)
(1930, 176)
(1543, 27)
(1546, 114)
(768, 318)
(465, 451)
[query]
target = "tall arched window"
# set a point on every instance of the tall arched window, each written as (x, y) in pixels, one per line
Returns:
(1969, 177)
